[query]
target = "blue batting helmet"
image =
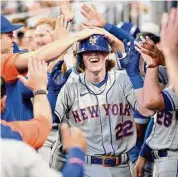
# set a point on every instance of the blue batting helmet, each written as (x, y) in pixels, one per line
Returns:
(94, 43)
(129, 27)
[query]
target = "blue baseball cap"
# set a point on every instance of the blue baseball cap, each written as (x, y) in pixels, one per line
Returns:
(7, 26)
(95, 42)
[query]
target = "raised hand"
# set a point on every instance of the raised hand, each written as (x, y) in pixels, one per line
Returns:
(58, 78)
(37, 79)
(60, 31)
(66, 10)
(169, 33)
(131, 61)
(150, 53)
(93, 16)
(114, 42)
(88, 32)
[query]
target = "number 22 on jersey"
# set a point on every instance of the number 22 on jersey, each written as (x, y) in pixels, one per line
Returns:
(124, 129)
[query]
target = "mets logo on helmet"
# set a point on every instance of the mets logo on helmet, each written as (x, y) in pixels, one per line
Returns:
(93, 40)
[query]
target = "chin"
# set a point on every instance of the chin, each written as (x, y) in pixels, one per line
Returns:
(95, 69)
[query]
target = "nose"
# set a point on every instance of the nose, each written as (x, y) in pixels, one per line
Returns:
(93, 53)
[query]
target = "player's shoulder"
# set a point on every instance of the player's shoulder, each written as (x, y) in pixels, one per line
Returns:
(118, 75)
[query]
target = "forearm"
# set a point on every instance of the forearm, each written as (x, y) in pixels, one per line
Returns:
(47, 53)
(152, 92)
(172, 65)
(42, 107)
(140, 103)
(117, 32)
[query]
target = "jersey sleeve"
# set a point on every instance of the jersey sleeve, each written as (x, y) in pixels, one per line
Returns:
(62, 103)
(34, 132)
(117, 32)
(8, 70)
(140, 119)
(170, 99)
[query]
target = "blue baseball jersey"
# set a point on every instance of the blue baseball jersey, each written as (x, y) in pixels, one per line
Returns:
(18, 103)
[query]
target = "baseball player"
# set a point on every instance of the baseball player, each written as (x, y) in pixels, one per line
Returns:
(163, 140)
(99, 102)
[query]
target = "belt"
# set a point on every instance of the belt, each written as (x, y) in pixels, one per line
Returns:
(160, 153)
(107, 161)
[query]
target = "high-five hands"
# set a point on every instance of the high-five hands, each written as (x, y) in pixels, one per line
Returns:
(150, 52)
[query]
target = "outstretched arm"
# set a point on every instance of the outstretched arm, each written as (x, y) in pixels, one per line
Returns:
(49, 52)
(131, 65)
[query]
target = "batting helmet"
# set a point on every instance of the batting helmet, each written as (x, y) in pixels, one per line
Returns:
(132, 29)
(95, 42)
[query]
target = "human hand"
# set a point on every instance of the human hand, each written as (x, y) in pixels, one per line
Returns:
(139, 167)
(37, 79)
(58, 77)
(169, 33)
(66, 10)
(150, 53)
(73, 137)
(93, 16)
(131, 61)
(114, 42)
(60, 31)
(81, 35)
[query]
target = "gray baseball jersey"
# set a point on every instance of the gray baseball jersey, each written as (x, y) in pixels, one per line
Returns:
(164, 133)
(102, 113)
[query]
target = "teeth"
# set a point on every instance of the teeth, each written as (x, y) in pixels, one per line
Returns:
(94, 60)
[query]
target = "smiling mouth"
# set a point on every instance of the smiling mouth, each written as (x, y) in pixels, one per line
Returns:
(94, 60)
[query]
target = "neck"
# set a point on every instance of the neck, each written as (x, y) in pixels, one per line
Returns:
(95, 77)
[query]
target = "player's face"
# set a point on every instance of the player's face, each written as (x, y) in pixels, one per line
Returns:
(28, 40)
(7, 40)
(42, 35)
(95, 61)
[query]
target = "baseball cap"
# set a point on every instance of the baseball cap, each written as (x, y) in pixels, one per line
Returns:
(7, 26)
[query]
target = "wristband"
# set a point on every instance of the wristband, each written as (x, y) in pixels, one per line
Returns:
(39, 92)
